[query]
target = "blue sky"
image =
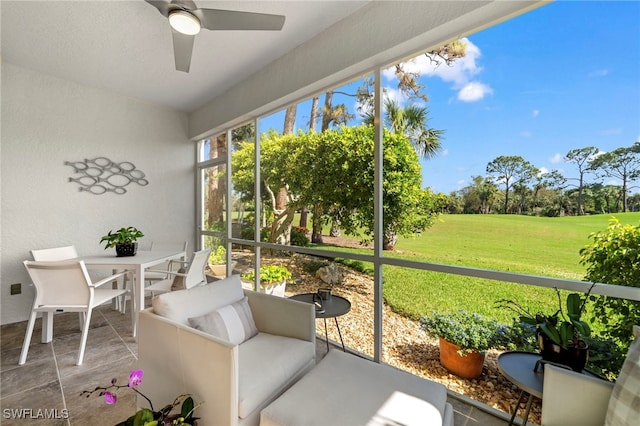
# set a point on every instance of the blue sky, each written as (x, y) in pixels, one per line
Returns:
(563, 76)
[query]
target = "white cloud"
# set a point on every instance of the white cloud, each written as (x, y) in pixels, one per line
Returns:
(444, 153)
(608, 132)
(557, 158)
(535, 113)
(461, 183)
(474, 91)
(461, 73)
(526, 134)
(392, 93)
(543, 171)
(598, 73)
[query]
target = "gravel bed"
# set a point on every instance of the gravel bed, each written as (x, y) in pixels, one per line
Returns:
(406, 345)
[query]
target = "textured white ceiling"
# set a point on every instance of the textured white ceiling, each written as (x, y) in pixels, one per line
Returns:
(126, 47)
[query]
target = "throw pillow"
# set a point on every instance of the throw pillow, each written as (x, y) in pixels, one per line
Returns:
(233, 323)
(179, 281)
(624, 405)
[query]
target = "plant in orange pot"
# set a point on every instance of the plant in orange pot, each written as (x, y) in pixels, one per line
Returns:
(464, 339)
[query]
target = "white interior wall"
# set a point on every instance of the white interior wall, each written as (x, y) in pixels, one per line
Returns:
(47, 121)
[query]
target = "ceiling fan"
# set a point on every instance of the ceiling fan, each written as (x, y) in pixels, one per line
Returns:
(186, 20)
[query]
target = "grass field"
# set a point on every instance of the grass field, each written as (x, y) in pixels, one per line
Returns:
(524, 244)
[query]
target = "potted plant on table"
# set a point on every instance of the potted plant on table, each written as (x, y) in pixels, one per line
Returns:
(273, 279)
(560, 334)
(464, 339)
(124, 240)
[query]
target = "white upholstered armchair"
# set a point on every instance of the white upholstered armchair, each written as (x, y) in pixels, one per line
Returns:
(235, 380)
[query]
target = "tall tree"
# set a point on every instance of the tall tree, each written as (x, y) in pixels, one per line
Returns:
(335, 168)
(411, 121)
(510, 170)
(581, 157)
(216, 183)
(621, 163)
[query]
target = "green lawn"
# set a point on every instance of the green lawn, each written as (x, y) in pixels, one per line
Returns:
(524, 244)
(531, 245)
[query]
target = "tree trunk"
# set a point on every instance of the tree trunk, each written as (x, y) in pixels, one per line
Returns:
(304, 213)
(328, 106)
(217, 187)
(316, 234)
(314, 113)
(289, 120)
(389, 240)
(335, 228)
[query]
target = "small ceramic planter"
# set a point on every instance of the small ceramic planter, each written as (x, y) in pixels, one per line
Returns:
(276, 289)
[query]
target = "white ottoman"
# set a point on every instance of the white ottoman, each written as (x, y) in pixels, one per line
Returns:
(344, 390)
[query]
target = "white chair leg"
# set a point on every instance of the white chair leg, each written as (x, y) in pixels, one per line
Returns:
(47, 327)
(83, 338)
(27, 338)
(133, 312)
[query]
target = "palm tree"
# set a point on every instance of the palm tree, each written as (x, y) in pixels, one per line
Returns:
(412, 122)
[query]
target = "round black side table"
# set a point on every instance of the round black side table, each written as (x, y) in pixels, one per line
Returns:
(333, 307)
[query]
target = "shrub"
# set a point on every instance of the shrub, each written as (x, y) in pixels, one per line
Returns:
(614, 258)
(470, 331)
(265, 233)
(270, 274)
(299, 236)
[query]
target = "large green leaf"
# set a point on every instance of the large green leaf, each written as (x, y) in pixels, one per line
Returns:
(551, 332)
(574, 302)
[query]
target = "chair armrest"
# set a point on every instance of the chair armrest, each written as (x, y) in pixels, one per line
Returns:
(110, 278)
(570, 398)
(180, 274)
(283, 317)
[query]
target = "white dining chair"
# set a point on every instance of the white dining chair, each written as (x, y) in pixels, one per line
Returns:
(65, 286)
(55, 254)
(153, 275)
(67, 253)
(193, 275)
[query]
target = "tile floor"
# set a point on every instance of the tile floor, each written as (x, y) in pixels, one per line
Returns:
(46, 390)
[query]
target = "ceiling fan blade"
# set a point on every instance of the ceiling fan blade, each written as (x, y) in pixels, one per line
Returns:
(166, 6)
(161, 5)
(216, 19)
(182, 49)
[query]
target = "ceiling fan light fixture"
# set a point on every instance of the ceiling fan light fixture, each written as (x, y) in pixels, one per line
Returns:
(184, 22)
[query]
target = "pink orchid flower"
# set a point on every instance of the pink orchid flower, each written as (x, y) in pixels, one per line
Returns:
(135, 378)
(110, 398)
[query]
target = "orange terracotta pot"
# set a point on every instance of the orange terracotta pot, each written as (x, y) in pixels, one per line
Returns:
(468, 366)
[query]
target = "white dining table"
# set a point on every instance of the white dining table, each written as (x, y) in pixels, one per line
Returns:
(138, 263)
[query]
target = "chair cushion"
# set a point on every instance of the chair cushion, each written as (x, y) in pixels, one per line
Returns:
(624, 405)
(181, 305)
(344, 389)
(268, 364)
(232, 323)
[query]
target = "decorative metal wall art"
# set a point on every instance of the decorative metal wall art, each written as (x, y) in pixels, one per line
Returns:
(101, 175)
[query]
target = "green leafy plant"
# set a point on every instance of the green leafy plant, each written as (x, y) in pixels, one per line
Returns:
(148, 416)
(121, 236)
(470, 331)
(270, 274)
(614, 258)
(299, 236)
(563, 327)
(218, 255)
